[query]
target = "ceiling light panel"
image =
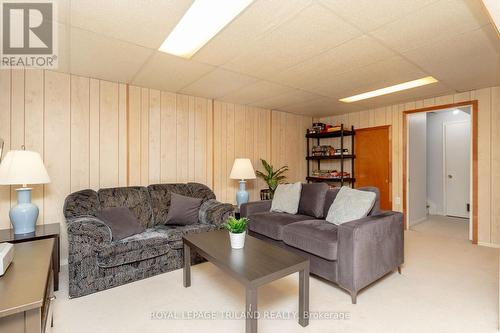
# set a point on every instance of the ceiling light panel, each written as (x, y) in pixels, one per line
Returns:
(388, 90)
(203, 20)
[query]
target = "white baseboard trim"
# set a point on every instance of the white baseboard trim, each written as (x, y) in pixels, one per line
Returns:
(64, 262)
(495, 246)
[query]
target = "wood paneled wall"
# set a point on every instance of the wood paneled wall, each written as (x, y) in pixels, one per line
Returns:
(289, 144)
(170, 138)
(244, 131)
(94, 134)
(488, 150)
(77, 124)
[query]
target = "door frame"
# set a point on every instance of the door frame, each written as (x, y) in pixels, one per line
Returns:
(474, 135)
(445, 191)
(389, 130)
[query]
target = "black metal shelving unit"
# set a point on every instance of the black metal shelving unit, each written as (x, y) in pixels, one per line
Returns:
(342, 134)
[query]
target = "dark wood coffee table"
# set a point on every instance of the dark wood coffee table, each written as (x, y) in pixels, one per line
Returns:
(256, 264)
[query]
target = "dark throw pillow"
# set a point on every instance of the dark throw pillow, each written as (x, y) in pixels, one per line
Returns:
(183, 210)
(121, 221)
(312, 199)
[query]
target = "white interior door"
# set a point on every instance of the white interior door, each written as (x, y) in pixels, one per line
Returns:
(456, 148)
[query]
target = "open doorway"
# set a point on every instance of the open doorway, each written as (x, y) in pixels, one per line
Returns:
(439, 154)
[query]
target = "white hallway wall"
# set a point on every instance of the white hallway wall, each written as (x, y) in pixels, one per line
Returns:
(417, 168)
(435, 191)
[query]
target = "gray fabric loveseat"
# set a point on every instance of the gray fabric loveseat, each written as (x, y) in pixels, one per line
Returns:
(97, 263)
(352, 255)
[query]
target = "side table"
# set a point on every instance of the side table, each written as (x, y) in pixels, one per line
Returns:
(42, 231)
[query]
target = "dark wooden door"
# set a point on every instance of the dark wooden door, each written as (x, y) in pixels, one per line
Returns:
(373, 161)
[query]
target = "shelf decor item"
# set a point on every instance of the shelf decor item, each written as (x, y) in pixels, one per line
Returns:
(242, 169)
(272, 177)
(22, 167)
(337, 153)
(237, 231)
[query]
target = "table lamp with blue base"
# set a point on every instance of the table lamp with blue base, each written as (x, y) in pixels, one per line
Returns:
(21, 167)
(242, 169)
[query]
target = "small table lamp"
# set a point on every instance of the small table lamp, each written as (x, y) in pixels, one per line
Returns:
(242, 169)
(21, 167)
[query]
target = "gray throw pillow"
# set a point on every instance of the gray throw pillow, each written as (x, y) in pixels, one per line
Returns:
(312, 199)
(350, 205)
(286, 198)
(120, 221)
(183, 210)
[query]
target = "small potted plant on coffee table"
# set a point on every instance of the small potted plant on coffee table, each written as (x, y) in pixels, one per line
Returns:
(237, 230)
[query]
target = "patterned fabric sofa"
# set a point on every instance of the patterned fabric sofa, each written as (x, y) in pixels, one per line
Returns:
(97, 263)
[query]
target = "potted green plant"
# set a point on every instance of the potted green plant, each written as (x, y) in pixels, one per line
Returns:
(237, 230)
(272, 177)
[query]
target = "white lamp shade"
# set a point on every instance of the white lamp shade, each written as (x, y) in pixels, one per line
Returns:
(242, 169)
(22, 167)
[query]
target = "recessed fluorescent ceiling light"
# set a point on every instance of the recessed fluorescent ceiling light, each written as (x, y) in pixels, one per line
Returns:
(203, 20)
(391, 89)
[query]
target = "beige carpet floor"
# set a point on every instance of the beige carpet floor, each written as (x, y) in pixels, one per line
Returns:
(447, 285)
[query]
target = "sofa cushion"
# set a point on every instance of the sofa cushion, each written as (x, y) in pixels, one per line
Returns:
(201, 191)
(160, 197)
(143, 246)
(350, 205)
(81, 203)
(332, 194)
(329, 198)
(271, 224)
(286, 198)
(120, 221)
(183, 210)
(174, 233)
(136, 198)
(312, 199)
(314, 236)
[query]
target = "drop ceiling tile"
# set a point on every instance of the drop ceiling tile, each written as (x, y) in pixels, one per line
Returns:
(254, 92)
(371, 77)
(145, 23)
(259, 18)
(355, 53)
(475, 53)
(294, 96)
(167, 72)
(369, 14)
(217, 83)
(435, 22)
(312, 31)
(322, 107)
(106, 58)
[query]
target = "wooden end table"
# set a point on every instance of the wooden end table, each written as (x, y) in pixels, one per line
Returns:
(42, 231)
(26, 289)
(258, 263)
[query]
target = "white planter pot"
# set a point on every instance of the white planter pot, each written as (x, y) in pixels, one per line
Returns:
(237, 240)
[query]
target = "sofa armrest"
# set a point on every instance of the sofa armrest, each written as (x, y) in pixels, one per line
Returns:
(368, 249)
(86, 234)
(250, 208)
(214, 212)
